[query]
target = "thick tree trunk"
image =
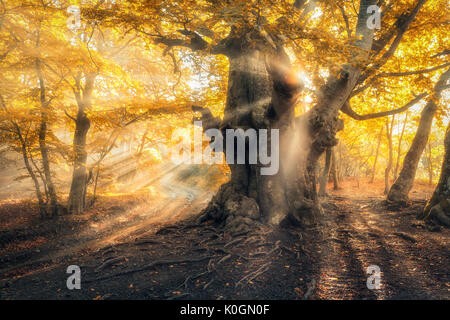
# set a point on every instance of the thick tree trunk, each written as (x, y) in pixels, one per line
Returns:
(78, 187)
(250, 196)
(400, 189)
(438, 208)
(324, 178)
(262, 91)
(77, 195)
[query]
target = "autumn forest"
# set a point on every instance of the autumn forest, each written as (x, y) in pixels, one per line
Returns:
(217, 150)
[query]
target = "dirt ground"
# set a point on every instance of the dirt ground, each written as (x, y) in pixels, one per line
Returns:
(141, 246)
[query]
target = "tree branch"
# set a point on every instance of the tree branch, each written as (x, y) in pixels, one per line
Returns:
(346, 108)
(69, 116)
(400, 27)
(409, 73)
(397, 74)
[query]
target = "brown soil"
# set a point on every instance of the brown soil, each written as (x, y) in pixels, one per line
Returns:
(128, 247)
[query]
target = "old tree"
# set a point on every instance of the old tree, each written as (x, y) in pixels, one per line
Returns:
(259, 39)
(303, 68)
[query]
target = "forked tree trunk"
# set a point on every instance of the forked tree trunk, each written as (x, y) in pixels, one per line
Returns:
(262, 91)
(400, 189)
(37, 188)
(438, 208)
(26, 159)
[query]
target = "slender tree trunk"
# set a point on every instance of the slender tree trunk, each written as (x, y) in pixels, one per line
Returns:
(400, 189)
(358, 166)
(53, 207)
(325, 174)
(430, 165)
(42, 209)
(388, 169)
(23, 145)
(334, 173)
(438, 207)
(376, 156)
(340, 169)
(78, 188)
(399, 149)
(41, 174)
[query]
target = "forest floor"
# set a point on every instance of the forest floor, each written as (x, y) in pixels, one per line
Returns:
(142, 246)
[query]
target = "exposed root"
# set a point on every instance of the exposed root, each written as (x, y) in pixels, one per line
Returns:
(147, 267)
(253, 275)
(405, 236)
(110, 262)
(179, 296)
(146, 241)
(233, 242)
(249, 277)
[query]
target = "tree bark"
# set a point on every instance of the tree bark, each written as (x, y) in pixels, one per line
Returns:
(334, 172)
(325, 174)
(42, 209)
(376, 156)
(53, 207)
(402, 186)
(399, 149)
(262, 92)
(259, 97)
(24, 150)
(438, 207)
(78, 187)
(430, 165)
(388, 169)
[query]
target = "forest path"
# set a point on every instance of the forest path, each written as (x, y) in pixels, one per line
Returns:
(184, 261)
(358, 233)
(125, 224)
